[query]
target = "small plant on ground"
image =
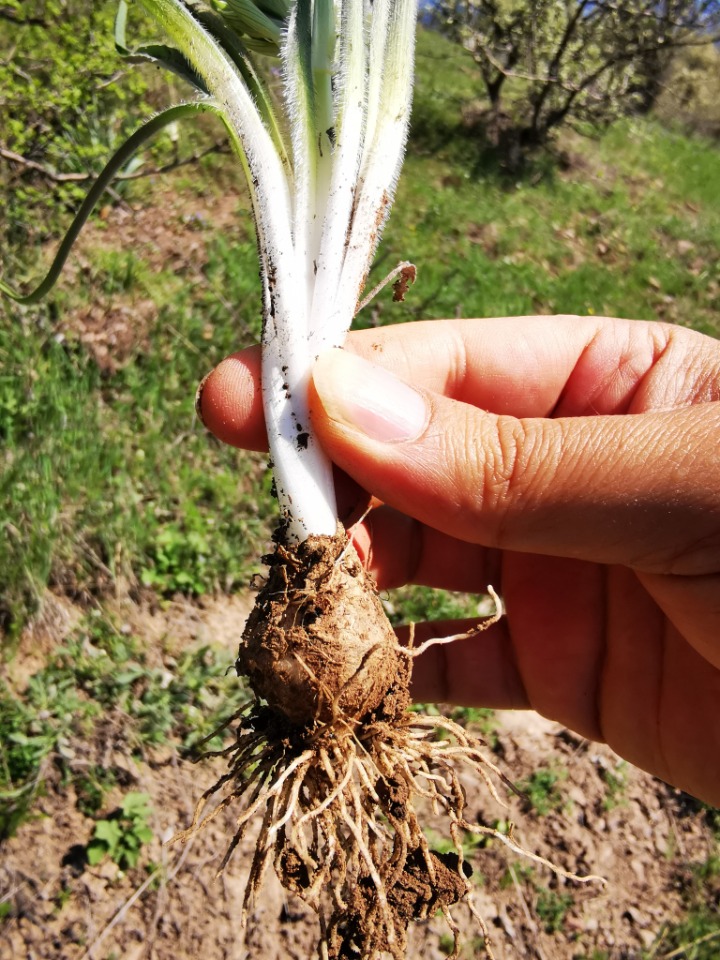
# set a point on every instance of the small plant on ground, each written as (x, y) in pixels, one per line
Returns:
(99, 670)
(517, 873)
(616, 781)
(31, 730)
(91, 789)
(123, 835)
(541, 790)
(551, 909)
(697, 935)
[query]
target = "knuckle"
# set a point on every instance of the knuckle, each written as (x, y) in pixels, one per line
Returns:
(510, 458)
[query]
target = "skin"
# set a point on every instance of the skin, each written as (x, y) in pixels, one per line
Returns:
(571, 462)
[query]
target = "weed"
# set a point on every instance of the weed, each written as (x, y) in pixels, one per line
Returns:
(616, 782)
(470, 949)
(517, 873)
(62, 897)
(712, 815)
(31, 731)
(447, 943)
(696, 937)
(551, 909)
(541, 791)
(98, 669)
(122, 836)
(708, 870)
(477, 718)
(178, 559)
(91, 788)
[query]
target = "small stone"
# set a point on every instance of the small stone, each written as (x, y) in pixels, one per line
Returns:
(648, 938)
(635, 917)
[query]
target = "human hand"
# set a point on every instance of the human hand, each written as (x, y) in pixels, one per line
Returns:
(573, 463)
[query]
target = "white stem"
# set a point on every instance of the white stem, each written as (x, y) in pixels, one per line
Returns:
(318, 225)
(330, 322)
(303, 475)
(300, 105)
(324, 42)
(389, 98)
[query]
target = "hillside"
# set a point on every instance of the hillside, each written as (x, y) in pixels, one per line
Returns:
(131, 537)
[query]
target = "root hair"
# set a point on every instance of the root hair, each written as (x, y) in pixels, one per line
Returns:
(340, 826)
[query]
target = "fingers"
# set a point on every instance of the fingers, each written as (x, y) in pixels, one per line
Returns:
(692, 604)
(522, 366)
(397, 549)
(478, 361)
(635, 490)
(534, 367)
(229, 401)
(476, 671)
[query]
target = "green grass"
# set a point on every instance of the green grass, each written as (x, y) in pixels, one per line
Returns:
(552, 908)
(601, 238)
(98, 672)
(105, 476)
(616, 783)
(697, 935)
(543, 790)
(573, 243)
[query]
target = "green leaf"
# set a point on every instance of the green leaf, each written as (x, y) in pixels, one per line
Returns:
(143, 833)
(109, 832)
(131, 857)
(95, 853)
(113, 166)
(169, 57)
(136, 804)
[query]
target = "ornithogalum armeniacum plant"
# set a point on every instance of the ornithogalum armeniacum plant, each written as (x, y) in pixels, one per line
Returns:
(327, 757)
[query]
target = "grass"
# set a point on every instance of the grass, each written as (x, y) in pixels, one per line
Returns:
(576, 243)
(543, 791)
(102, 675)
(112, 475)
(697, 936)
(601, 238)
(616, 782)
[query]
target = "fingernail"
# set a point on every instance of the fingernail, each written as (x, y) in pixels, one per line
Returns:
(369, 398)
(198, 398)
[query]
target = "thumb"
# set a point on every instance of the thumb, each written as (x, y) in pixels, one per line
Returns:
(637, 489)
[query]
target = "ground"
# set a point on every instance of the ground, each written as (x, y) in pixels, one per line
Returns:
(583, 807)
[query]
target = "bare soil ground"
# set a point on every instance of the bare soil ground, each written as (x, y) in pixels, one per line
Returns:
(608, 819)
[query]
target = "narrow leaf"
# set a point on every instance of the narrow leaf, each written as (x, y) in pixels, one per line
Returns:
(169, 57)
(105, 178)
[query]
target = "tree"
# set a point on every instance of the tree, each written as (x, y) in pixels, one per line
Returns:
(548, 62)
